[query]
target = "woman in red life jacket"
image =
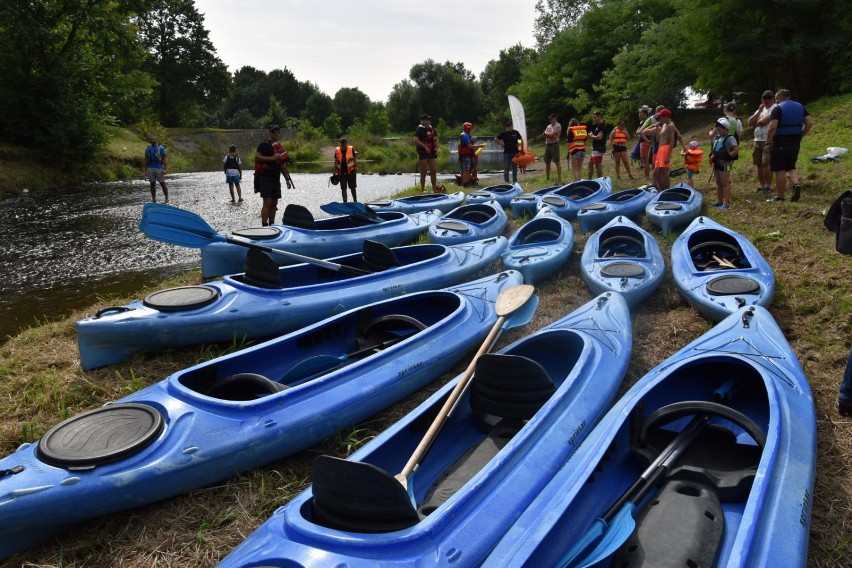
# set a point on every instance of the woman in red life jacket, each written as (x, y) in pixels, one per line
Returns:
(346, 165)
(577, 135)
(619, 138)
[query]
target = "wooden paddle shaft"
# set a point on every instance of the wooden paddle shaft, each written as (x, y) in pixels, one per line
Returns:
(724, 262)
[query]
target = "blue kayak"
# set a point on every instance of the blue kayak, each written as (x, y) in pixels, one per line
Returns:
(718, 270)
(568, 200)
(443, 202)
(321, 238)
(469, 222)
(504, 441)
(502, 193)
(629, 203)
(240, 411)
(736, 492)
(540, 247)
(622, 257)
(674, 207)
(524, 205)
(268, 300)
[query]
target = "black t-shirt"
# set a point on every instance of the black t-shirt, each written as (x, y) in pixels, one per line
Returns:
(271, 169)
(510, 139)
(594, 130)
(426, 134)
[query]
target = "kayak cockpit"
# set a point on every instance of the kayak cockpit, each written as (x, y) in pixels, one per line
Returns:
(712, 249)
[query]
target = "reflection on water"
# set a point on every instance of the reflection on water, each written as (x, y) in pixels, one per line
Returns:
(63, 250)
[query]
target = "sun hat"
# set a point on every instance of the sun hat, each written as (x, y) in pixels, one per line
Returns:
(723, 123)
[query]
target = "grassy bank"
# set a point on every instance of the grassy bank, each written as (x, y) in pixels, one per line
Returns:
(41, 382)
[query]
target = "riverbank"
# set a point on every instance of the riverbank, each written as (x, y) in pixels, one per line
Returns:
(41, 382)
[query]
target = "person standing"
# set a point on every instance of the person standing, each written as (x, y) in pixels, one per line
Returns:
(646, 157)
(426, 142)
(346, 166)
(597, 132)
(467, 149)
(577, 134)
(760, 154)
(619, 138)
(233, 172)
(155, 168)
(512, 143)
(667, 137)
(692, 158)
(725, 150)
(789, 122)
(552, 134)
(268, 158)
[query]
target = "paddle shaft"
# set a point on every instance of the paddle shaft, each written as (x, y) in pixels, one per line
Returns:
(307, 259)
(724, 262)
(438, 422)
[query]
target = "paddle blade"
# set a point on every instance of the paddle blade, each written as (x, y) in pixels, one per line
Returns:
(594, 532)
(523, 315)
(513, 298)
(338, 208)
(177, 226)
(616, 534)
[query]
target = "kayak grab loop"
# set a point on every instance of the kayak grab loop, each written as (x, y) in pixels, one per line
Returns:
(100, 436)
(112, 310)
(181, 298)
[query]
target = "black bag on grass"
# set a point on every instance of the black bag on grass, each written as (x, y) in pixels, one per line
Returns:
(832, 217)
(843, 241)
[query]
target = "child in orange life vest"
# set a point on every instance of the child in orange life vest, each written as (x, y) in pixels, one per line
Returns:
(692, 161)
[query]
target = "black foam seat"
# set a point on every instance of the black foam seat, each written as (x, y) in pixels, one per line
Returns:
(181, 298)
(509, 386)
(732, 285)
(261, 270)
(668, 206)
(244, 386)
(378, 256)
(298, 216)
(553, 200)
(101, 436)
(358, 497)
(594, 207)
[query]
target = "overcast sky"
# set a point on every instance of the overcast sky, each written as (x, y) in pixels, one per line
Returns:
(370, 44)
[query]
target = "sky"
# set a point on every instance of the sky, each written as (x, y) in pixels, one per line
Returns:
(370, 45)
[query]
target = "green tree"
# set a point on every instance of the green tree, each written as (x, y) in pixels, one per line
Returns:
(502, 74)
(275, 114)
(64, 67)
(377, 122)
(351, 104)
(447, 90)
(403, 107)
(553, 16)
(191, 78)
(317, 108)
(331, 126)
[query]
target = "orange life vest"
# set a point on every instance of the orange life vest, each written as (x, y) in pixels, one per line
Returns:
(692, 159)
(619, 137)
(350, 159)
(463, 149)
(579, 141)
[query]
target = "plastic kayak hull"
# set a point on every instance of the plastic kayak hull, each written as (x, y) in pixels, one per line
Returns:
(443, 202)
(568, 200)
(629, 203)
(540, 247)
(674, 207)
(223, 416)
(622, 257)
(523, 205)
(766, 524)
(585, 354)
(502, 194)
(714, 288)
(239, 309)
(469, 222)
(333, 236)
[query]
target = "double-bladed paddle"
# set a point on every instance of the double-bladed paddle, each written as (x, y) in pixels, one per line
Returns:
(348, 208)
(176, 226)
(509, 301)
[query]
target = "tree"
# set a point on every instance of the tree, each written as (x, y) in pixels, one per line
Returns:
(276, 114)
(317, 108)
(331, 126)
(503, 73)
(351, 103)
(191, 78)
(68, 69)
(553, 16)
(403, 107)
(377, 122)
(447, 90)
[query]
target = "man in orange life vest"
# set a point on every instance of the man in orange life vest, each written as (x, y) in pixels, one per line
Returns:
(346, 165)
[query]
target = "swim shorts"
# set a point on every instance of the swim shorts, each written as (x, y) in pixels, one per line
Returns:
(551, 153)
(663, 157)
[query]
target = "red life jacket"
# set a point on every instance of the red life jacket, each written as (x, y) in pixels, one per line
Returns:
(579, 141)
(350, 159)
(466, 150)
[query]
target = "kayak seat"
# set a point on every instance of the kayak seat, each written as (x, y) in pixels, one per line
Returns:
(361, 220)
(675, 194)
(261, 271)
(509, 386)
(476, 216)
(682, 526)
(243, 386)
(594, 207)
(358, 497)
(618, 243)
(456, 226)
(382, 329)
(298, 216)
(378, 257)
(543, 236)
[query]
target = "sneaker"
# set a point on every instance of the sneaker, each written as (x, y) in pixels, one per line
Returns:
(724, 206)
(717, 204)
(760, 190)
(776, 198)
(797, 192)
(241, 199)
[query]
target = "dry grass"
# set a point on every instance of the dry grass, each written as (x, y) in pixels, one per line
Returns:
(41, 382)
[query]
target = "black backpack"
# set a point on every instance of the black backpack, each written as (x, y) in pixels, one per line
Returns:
(843, 238)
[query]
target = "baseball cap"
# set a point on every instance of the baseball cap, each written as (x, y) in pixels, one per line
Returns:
(274, 127)
(425, 116)
(723, 123)
(768, 94)
(666, 113)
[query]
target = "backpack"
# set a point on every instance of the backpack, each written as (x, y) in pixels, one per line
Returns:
(843, 237)
(232, 162)
(722, 153)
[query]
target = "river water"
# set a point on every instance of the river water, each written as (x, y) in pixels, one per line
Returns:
(63, 250)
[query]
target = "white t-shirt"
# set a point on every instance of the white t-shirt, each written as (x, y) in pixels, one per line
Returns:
(760, 132)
